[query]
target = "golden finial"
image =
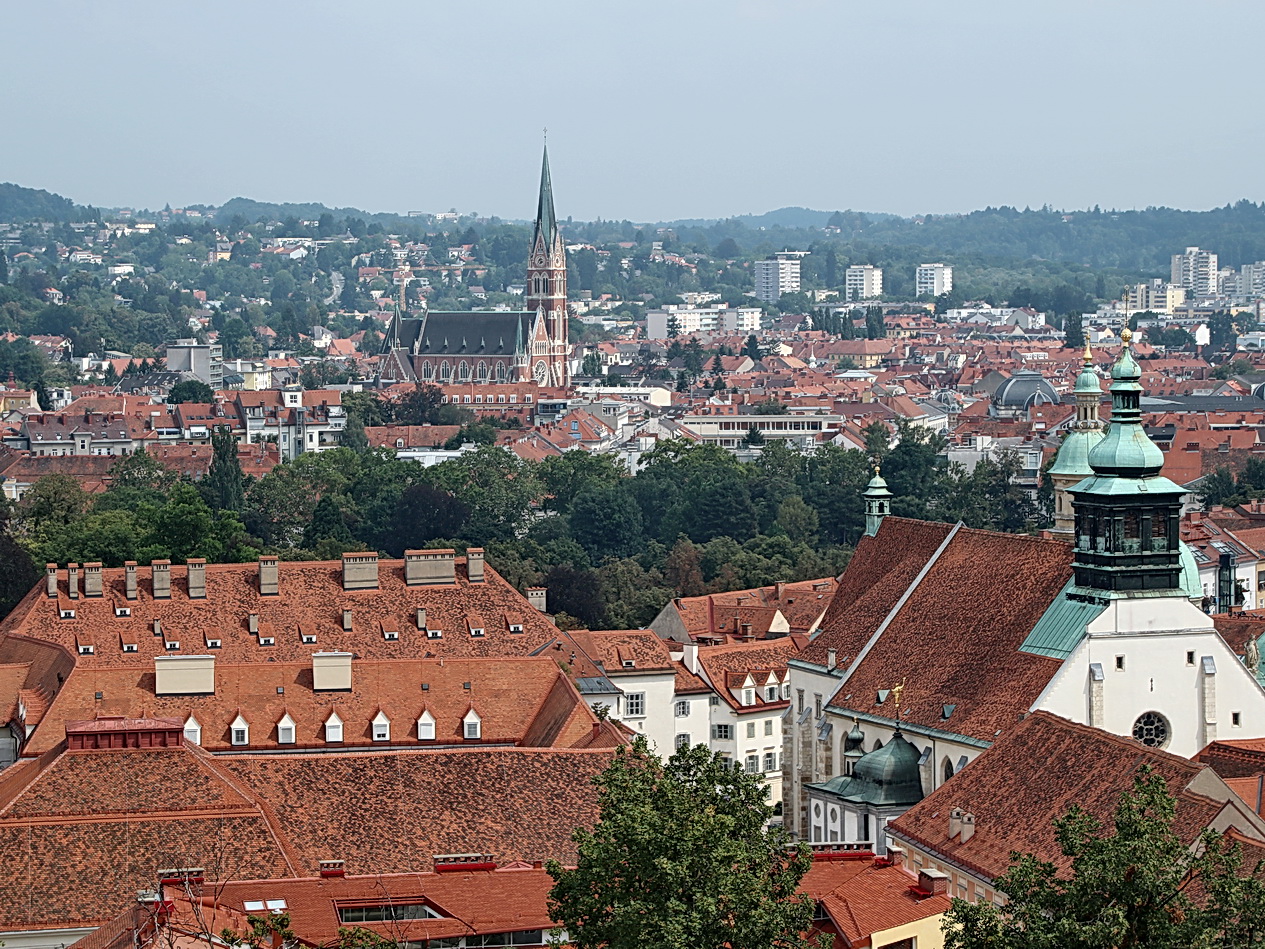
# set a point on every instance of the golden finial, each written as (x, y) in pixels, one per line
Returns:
(1126, 335)
(1089, 356)
(896, 693)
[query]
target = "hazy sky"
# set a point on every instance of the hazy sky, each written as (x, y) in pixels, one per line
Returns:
(655, 110)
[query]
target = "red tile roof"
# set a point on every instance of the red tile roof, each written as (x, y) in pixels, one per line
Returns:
(1032, 775)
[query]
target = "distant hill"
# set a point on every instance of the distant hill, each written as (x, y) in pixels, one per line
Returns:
(18, 204)
(253, 210)
(791, 218)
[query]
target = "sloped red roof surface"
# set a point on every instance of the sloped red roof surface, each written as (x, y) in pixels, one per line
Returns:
(1032, 775)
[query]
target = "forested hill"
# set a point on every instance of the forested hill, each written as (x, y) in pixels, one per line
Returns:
(1125, 240)
(18, 204)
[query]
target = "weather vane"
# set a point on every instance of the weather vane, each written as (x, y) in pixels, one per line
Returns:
(897, 690)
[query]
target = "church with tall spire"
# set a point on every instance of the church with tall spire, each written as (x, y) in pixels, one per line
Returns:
(493, 346)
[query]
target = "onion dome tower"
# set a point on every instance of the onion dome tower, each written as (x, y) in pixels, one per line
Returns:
(1127, 534)
(1071, 464)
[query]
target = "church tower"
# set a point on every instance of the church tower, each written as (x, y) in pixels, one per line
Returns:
(1127, 514)
(878, 503)
(547, 289)
(1071, 464)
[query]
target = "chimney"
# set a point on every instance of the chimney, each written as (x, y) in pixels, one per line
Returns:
(474, 564)
(252, 623)
(968, 827)
(421, 617)
(360, 571)
(331, 672)
(268, 580)
(896, 855)
(332, 868)
(832, 658)
(934, 882)
(537, 596)
(430, 567)
(689, 657)
(346, 621)
(72, 580)
(955, 822)
(745, 634)
(197, 578)
(92, 585)
(160, 574)
(129, 578)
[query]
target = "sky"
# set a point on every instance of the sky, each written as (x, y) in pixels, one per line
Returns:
(655, 110)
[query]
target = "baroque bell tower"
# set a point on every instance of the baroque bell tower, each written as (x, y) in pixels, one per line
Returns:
(547, 289)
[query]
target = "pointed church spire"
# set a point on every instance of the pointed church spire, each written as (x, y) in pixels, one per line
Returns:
(546, 220)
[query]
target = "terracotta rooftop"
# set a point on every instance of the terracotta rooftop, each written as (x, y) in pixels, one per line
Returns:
(1034, 773)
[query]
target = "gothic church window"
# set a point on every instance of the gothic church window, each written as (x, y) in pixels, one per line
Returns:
(1151, 729)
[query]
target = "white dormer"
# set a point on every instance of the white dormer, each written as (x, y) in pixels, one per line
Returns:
(333, 727)
(426, 727)
(285, 730)
(472, 726)
(381, 727)
(240, 731)
(434, 634)
(192, 731)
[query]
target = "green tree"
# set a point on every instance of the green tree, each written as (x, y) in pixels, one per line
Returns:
(190, 390)
(224, 486)
(751, 348)
(753, 438)
(606, 521)
(1074, 331)
(681, 858)
(1131, 885)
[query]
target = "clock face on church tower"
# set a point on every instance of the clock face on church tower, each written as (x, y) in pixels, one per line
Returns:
(540, 260)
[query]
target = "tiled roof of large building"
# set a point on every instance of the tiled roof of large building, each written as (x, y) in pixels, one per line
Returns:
(729, 667)
(1034, 773)
(311, 600)
(625, 651)
(880, 570)
(954, 638)
(520, 701)
(861, 898)
(82, 830)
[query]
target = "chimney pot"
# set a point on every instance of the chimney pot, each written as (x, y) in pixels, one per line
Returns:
(968, 827)
(934, 882)
(129, 579)
(347, 621)
(832, 658)
(537, 597)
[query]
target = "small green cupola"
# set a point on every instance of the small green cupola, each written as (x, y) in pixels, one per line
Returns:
(1127, 538)
(1071, 463)
(878, 503)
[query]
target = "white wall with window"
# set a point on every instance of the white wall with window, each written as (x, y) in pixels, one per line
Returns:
(648, 704)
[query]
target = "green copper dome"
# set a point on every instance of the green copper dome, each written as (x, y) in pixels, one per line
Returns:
(1126, 450)
(1073, 454)
(888, 777)
(1087, 381)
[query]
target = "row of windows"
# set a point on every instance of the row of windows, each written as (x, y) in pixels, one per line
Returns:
(386, 912)
(472, 729)
(525, 937)
(446, 372)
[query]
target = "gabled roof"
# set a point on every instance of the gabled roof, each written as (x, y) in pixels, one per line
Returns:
(1034, 773)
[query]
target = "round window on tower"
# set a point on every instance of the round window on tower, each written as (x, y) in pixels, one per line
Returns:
(1151, 729)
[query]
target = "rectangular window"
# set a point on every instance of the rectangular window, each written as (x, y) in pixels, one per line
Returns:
(682, 709)
(750, 729)
(285, 734)
(713, 700)
(1120, 663)
(770, 693)
(472, 730)
(768, 726)
(770, 761)
(385, 912)
(682, 741)
(723, 732)
(1236, 719)
(817, 705)
(239, 736)
(635, 704)
(753, 764)
(1190, 657)
(748, 696)
(799, 695)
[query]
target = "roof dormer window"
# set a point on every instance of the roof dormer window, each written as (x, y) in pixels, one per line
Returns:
(748, 696)
(192, 731)
(472, 729)
(381, 727)
(240, 731)
(426, 727)
(285, 730)
(333, 728)
(434, 634)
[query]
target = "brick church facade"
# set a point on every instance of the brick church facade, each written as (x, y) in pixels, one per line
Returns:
(445, 347)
